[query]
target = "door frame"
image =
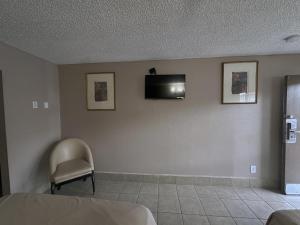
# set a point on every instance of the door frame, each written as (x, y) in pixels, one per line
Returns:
(4, 172)
(288, 185)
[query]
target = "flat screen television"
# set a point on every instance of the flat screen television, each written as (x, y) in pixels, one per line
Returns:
(165, 86)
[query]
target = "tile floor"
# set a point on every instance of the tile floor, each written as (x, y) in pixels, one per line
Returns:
(191, 204)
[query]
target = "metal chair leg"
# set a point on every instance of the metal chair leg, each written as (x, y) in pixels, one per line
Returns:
(52, 188)
(93, 181)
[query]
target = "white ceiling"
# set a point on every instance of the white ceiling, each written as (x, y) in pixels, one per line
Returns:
(77, 31)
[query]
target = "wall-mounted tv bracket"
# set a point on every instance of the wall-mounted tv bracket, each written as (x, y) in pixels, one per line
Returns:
(152, 71)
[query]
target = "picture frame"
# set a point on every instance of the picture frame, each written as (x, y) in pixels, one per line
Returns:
(239, 82)
(100, 91)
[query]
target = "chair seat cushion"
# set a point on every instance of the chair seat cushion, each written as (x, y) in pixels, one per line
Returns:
(71, 169)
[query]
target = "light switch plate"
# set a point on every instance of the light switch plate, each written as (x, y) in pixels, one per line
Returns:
(46, 105)
(252, 169)
(35, 105)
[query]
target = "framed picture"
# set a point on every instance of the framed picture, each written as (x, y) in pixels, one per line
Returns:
(100, 89)
(239, 82)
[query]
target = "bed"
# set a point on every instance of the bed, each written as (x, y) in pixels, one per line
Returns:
(43, 209)
(284, 217)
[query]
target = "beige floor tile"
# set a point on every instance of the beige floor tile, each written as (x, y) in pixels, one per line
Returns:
(148, 188)
(214, 207)
(247, 194)
(261, 209)
(167, 189)
(169, 219)
(206, 191)
(128, 197)
(280, 205)
(191, 206)
(195, 220)
(131, 188)
(106, 196)
(149, 201)
(169, 204)
(237, 208)
(213, 220)
(186, 191)
(244, 221)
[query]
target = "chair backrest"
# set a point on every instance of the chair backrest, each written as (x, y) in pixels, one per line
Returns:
(69, 149)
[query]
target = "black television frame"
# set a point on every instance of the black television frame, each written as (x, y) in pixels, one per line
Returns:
(163, 93)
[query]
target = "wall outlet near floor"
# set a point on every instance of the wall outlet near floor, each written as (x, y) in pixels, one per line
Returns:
(252, 169)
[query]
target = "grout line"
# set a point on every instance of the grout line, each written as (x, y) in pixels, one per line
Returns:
(177, 194)
(201, 204)
(139, 191)
(244, 201)
(179, 204)
(245, 205)
(197, 196)
(138, 194)
(241, 201)
(230, 215)
(251, 209)
(157, 204)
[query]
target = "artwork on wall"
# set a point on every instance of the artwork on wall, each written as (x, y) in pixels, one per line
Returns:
(100, 91)
(239, 82)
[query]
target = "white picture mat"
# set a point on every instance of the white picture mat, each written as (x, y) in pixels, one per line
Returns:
(250, 96)
(101, 77)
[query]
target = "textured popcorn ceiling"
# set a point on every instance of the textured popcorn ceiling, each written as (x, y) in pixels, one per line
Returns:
(76, 31)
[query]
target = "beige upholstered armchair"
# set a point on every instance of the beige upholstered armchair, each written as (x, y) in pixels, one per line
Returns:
(71, 160)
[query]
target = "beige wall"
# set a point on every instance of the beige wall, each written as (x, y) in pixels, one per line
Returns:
(30, 133)
(197, 136)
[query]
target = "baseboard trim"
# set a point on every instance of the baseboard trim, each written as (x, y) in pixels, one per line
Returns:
(186, 179)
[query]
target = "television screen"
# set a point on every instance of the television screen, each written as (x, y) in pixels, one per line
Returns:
(165, 86)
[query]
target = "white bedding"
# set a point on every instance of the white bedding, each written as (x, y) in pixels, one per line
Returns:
(43, 209)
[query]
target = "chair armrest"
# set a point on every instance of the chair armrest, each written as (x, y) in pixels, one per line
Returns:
(52, 164)
(89, 157)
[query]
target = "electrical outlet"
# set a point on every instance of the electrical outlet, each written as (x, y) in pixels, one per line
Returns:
(252, 169)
